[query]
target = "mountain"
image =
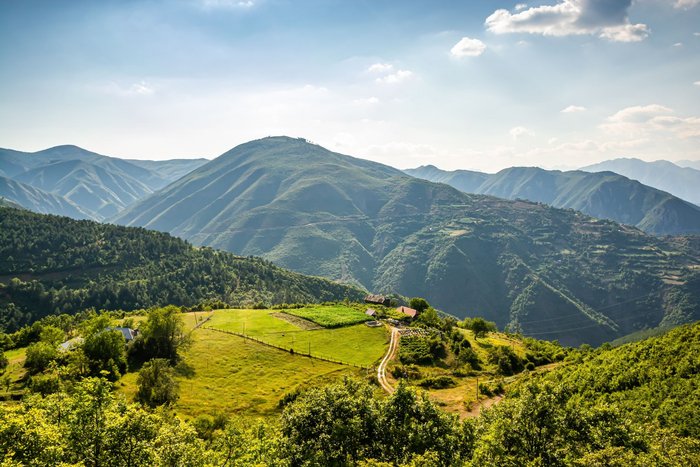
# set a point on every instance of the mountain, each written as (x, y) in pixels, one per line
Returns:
(171, 169)
(57, 265)
(38, 200)
(682, 182)
(687, 163)
(604, 195)
(100, 186)
(548, 272)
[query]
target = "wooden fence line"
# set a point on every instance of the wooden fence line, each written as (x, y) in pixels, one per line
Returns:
(292, 351)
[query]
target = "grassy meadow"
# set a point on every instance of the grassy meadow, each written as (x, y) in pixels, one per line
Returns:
(331, 316)
(357, 344)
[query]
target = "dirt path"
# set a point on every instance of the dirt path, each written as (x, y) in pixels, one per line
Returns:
(390, 354)
(481, 405)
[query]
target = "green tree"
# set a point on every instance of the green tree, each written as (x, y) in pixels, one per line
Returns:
(51, 335)
(419, 304)
(162, 334)
(39, 356)
(156, 383)
(106, 351)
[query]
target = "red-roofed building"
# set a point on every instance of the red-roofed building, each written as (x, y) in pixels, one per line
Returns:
(410, 312)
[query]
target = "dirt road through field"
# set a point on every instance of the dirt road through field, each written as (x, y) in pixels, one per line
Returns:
(390, 354)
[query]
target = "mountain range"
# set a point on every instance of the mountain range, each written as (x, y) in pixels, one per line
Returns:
(664, 175)
(605, 195)
(83, 184)
(547, 272)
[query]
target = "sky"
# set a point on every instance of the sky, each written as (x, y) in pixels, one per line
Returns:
(479, 85)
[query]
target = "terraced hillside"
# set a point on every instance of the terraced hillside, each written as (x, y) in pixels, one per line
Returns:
(548, 272)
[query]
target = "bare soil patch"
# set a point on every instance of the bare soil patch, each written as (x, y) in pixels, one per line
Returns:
(301, 323)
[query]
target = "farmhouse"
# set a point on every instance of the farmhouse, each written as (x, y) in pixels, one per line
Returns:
(128, 333)
(371, 312)
(378, 300)
(410, 312)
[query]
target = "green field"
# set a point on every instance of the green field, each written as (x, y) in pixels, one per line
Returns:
(358, 344)
(231, 375)
(331, 316)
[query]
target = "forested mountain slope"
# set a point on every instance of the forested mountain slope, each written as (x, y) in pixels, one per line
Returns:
(549, 272)
(51, 264)
(605, 195)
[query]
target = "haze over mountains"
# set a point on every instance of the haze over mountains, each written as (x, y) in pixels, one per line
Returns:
(71, 181)
(548, 272)
(605, 195)
(683, 181)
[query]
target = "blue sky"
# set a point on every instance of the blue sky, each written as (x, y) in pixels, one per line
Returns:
(475, 84)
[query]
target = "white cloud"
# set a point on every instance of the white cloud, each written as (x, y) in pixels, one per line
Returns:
(468, 47)
(648, 119)
(366, 101)
(520, 132)
(607, 19)
(520, 6)
(678, 44)
(231, 4)
(686, 4)
(380, 68)
(396, 78)
(573, 109)
(697, 83)
(136, 89)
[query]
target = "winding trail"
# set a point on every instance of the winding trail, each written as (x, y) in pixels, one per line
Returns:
(390, 354)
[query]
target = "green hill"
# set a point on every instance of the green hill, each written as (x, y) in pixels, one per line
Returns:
(664, 175)
(550, 273)
(98, 185)
(51, 265)
(605, 195)
(37, 200)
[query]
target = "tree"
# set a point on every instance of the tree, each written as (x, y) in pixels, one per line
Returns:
(39, 357)
(419, 304)
(106, 351)
(162, 334)
(480, 326)
(156, 383)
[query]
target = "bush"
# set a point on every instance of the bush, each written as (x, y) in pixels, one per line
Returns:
(156, 383)
(505, 359)
(438, 382)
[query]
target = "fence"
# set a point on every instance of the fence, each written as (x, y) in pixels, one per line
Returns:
(285, 349)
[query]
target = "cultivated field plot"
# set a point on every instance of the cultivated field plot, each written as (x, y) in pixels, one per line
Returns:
(358, 344)
(231, 375)
(331, 316)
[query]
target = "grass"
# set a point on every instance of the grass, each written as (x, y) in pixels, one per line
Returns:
(331, 316)
(232, 375)
(358, 344)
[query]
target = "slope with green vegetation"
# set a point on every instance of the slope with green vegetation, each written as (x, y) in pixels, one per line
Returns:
(632, 405)
(52, 265)
(95, 185)
(605, 195)
(682, 181)
(547, 272)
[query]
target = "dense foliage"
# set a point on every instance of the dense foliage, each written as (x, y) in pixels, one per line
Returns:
(51, 265)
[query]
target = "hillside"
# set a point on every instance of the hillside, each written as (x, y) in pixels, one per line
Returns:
(604, 195)
(98, 185)
(682, 182)
(34, 199)
(54, 264)
(548, 272)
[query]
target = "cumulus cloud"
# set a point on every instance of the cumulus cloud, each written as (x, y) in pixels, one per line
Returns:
(520, 6)
(605, 18)
(647, 119)
(519, 132)
(468, 47)
(573, 109)
(380, 68)
(396, 78)
(686, 4)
